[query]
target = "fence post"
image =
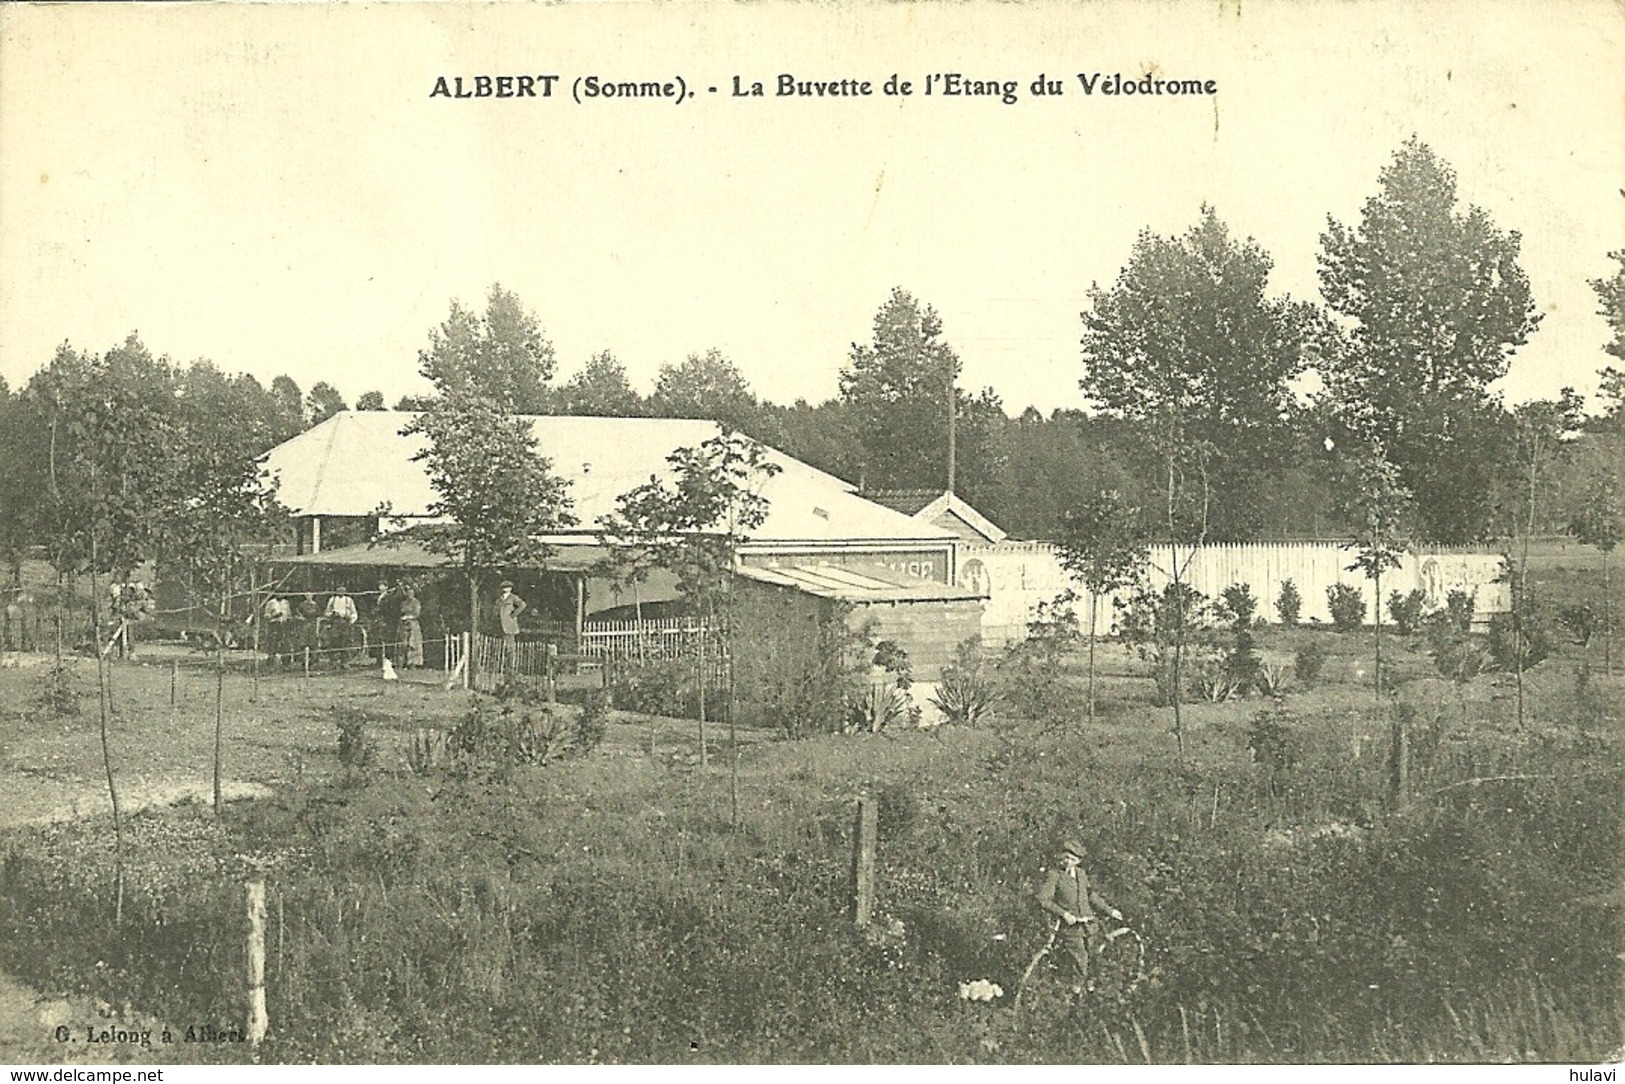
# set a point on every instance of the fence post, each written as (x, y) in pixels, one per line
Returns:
(174, 679)
(551, 664)
(307, 669)
(468, 656)
(863, 860)
(257, 1022)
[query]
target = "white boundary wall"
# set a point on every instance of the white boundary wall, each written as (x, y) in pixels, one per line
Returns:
(1017, 576)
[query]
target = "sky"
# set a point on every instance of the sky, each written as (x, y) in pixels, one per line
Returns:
(277, 189)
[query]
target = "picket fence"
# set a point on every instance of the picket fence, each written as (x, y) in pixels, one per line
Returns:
(1017, 576)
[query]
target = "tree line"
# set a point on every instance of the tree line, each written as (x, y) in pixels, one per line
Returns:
(1191, 401)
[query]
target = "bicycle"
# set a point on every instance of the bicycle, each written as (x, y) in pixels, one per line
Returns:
(1116, 967)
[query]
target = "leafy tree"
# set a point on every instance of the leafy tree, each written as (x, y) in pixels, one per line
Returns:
(694, 524)
(1189, 346)
(897, 387)
(323, 402)
(706, 386)
(500, 355)
(1611, 295)
(1376, 502)
(290, 407)
(228, 511)
(600, 389)
(1540, 429)
(495, 496)
(1438, 305)
(1103, 547)
(370, 400)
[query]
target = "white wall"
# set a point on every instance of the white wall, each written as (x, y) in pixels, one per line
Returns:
(1020, 575)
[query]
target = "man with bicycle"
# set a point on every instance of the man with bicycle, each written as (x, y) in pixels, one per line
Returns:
(1067, 895)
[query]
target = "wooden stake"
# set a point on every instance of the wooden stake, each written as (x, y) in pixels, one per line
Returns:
(174, 679)
(257, 1022)
(863, 861)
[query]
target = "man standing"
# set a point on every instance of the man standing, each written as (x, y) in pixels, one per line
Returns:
(1067, 895)
(509, 606)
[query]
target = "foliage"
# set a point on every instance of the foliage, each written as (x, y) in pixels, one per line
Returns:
(515, 726)
(1188, 345)
(1406, 610)
(592, 724)
(1031, 677)
(601, 389)
(1347, 605)
(1611, 296)
(657, 687)
(323, 402)
(357, 750)
(1518, 641)
(1288, 604)
(1270, 738)
(896, 388)
(61, 695)
(694, 523)
(1102, 543)
(1237, 607)
(1307, 663)
(706, 385)
(499, 358)
(1272, 679)
(1460, 606)
(1439, 305)
(494, 492)
(965, 693)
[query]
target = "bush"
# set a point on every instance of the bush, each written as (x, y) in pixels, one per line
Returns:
(1459, 605)
(356, 749)
(659, 687)
(1581, 619)
(1406, 610)
(1308, 661)
(593, 723)
(516, 726)
(1271, 679)
(1347, 604)
(1505, 644)
(1288, 604)
(1270, 739)
(60, 695)
(964, 694)
(1237, 606)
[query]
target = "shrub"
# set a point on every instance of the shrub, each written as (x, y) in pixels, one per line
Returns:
(516, 726)
(60, 695)
(1459, 605)
(1506, 647)
(1307, 663)
(1211, 678)
(964, 694)
(1270, 739)
(1288, 604)
(1271, 679)
(1031, 679)
(1406, 610)
(878, 707)
(1237, 606)
(1581, 620)
(659, 687)
(593, 723)
(356, 749)
(1347, 604)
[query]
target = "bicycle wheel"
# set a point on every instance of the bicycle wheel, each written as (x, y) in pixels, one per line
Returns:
(1119, 961)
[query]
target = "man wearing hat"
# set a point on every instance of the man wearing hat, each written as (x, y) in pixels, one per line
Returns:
(1067, 895)
(509, 606)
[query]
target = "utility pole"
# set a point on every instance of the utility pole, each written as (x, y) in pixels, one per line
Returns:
(951, 412)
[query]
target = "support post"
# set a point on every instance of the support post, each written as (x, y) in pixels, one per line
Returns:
(863, 860)
(257, 1022)
(174, 679)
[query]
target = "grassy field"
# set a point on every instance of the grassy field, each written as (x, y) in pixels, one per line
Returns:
(623, 906)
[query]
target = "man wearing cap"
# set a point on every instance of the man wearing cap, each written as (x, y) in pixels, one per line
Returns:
(509, 606)
(1067, 895)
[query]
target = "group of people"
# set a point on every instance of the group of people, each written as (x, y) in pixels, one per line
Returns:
(336, 630)
(129, 605)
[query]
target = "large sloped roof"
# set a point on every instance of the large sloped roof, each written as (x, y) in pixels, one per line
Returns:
(357, 462)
